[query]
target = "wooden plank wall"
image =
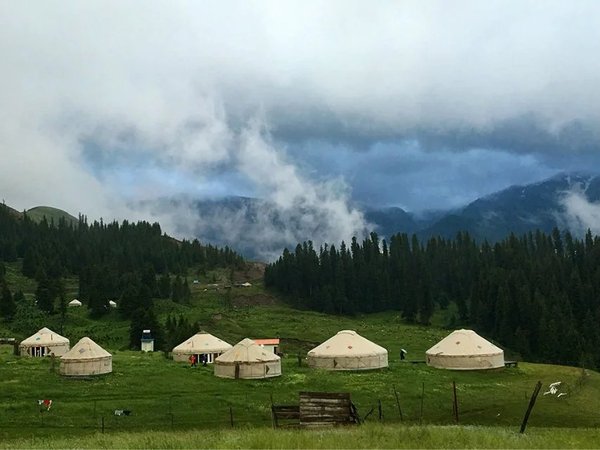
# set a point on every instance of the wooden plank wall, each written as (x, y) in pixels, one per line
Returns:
(326, 408)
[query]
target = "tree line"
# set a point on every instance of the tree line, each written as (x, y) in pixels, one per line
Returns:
(131, 263)
(537, 294)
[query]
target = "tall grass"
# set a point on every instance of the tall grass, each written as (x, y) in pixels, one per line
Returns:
(367, 436)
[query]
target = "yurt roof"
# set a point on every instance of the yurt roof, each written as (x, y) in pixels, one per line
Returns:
(347, 343)
(247, 351)
(202, 342)
(75, 302)
(85, 349)
(45, 336)
(463, 343)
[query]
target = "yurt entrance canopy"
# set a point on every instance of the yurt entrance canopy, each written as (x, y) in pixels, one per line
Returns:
(86, 358)
(348, 350)
(465, 350)
(247, 360)
(44, 343)
(203, 345)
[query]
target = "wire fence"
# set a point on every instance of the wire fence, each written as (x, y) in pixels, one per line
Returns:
(421, 404)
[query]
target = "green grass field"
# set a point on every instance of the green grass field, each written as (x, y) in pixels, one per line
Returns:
(174, 405)
(366, 436)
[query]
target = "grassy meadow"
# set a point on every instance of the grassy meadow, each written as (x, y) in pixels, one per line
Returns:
(174, 405)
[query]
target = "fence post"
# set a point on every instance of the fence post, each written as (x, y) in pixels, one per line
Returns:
(422, 396)
(534, 395)
(380, 409)
(398, 403)
(455, 404)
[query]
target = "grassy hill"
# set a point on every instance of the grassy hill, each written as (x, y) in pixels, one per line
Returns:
(165, 395)
(52, 214)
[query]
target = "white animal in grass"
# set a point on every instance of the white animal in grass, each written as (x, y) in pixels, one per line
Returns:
(554, 389)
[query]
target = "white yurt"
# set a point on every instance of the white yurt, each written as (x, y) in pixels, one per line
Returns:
(112, 303)
(86, 358)
(348, 350)
(200, 344)
(465, 350)
(44, 343)
(75, 302)
(247, 359)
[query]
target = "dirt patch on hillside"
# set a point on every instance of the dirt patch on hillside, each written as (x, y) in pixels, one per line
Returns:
(251, 272)
(253, 300)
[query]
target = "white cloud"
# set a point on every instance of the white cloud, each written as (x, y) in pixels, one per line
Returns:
(580, 214)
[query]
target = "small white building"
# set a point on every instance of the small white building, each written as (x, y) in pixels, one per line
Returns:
(74, 302)
(147, 342)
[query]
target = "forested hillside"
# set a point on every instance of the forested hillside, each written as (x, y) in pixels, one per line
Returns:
(131, 263)
(537, 294)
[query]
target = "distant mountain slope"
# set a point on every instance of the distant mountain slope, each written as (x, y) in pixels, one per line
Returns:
(517, 209)
(52, 214)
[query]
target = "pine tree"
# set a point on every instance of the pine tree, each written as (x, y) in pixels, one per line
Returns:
(7, 303)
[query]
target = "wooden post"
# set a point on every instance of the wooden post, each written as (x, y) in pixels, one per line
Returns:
(299, 360)
(380, 409)
(455, 404)
(273, 416)
(231, 416)
(422, 396)
(534, 395)
(398, 403)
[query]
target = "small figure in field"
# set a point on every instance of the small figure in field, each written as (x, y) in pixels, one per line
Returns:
(203, 359)
(403, 354)
(193, 361)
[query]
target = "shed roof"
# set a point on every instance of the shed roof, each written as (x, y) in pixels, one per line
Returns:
(45, 336)
(464, 343)
(202, 342)
(85, 349)
(247, 351)
(347, 343)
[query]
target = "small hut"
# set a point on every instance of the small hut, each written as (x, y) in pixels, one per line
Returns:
(269, 344)
(348, 350)
(44, 343)
(247, 360)
(74, 302)
(465, 350)
(86, 358)
(147, 341)
(112, 303)
(204, 345)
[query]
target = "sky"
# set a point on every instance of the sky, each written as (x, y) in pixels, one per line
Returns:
(323, 107)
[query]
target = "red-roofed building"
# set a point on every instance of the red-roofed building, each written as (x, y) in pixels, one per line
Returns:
(270, 344)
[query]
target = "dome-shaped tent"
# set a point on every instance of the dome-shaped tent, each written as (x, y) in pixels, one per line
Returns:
(44, 343)
(202, 343)
(465, 350)
(348, 350)
(247, 359)
(74, 302)
(86, 358)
